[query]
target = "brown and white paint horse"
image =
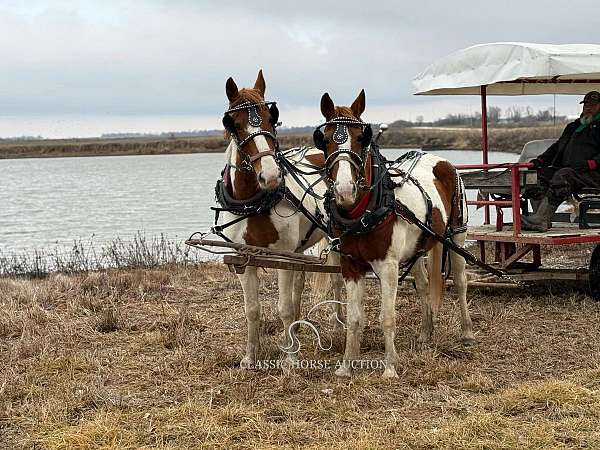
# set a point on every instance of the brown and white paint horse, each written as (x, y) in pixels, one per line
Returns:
(394, 241)
(283, 227)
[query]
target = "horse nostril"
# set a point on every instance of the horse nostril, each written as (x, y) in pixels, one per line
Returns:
(261, 178)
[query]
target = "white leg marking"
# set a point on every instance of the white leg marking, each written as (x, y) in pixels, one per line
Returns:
(285, 305)
(387, 271)
(419, 272)
(355, 323)
(460, 281)
(249, 281)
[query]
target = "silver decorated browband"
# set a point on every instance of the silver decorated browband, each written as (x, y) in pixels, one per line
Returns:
(340, 135)
(254, 118)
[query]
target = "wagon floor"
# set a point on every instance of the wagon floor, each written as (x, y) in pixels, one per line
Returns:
(560, 233)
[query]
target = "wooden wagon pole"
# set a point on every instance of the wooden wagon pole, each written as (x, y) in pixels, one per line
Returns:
(256, 251)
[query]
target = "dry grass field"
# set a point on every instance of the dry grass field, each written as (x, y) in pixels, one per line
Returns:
(129, 359)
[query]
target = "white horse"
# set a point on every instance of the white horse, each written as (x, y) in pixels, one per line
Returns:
(251, 176)
(393, 241)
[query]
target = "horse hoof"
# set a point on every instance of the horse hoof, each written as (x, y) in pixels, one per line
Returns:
(390, 372)
(344, 372)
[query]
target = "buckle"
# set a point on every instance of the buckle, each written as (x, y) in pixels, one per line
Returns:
(334, 244)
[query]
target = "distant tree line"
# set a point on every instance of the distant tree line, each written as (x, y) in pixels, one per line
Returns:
(513, 116)
(22, 138)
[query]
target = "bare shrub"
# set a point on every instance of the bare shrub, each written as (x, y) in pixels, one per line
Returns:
(88, 255)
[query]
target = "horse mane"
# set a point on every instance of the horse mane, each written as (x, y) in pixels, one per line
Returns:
(344, 111)
(246, 95)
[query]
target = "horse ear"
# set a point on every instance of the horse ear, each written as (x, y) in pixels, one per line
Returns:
(358, 107)
(260, 84)
(327, 106)
(231, 89)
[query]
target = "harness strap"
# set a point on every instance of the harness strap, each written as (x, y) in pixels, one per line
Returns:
(407, 267)
(261, 154)
(255, 134)
(406, 214)
(293, 171)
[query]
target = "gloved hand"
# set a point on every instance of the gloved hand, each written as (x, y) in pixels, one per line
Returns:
(537, 163)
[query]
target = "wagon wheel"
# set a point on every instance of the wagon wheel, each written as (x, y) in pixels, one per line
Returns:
(594, 274)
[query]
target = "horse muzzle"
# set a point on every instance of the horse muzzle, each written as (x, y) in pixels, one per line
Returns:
(269, 181)
(345, 194)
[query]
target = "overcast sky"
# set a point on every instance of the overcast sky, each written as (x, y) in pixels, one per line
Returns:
(85, 67)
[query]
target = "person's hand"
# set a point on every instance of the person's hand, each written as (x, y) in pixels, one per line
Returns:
(537, 163)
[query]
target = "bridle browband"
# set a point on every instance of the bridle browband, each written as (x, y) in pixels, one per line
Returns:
(255, 120)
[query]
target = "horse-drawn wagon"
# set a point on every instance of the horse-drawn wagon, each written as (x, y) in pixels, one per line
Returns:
(522, 69)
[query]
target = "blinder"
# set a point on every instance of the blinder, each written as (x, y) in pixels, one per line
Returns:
(367, 136)
(319, 140)
(254, 120)
(274, 111)
(229, 124)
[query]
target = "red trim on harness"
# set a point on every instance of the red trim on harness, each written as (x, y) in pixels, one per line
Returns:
(226, 176)
(387, 220)
(592, 164)
(360, 207)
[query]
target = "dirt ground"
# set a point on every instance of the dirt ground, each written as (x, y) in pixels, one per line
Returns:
(150, 359)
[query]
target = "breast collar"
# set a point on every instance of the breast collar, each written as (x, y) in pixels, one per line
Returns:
(379, 207)
(260, 202)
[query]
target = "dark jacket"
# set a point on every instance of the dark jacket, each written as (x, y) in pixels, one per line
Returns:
(574, 149)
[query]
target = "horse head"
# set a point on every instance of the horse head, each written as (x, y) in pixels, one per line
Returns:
(250, 122)
(345, 139)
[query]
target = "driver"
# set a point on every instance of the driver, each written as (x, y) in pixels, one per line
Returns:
(570, 164)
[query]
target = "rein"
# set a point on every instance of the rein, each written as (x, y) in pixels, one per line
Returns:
(383, 205)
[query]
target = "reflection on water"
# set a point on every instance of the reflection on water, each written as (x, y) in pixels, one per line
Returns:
(45, 202)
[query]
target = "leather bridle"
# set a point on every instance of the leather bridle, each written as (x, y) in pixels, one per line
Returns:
(340, 136)
(255, 120)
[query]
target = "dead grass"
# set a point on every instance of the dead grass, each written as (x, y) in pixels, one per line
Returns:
(150, 359)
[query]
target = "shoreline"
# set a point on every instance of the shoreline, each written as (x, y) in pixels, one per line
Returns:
(500, 139)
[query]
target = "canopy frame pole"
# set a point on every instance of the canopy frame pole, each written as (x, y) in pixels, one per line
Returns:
(484, 141)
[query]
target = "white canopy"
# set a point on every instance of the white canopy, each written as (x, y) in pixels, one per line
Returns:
(514, 68)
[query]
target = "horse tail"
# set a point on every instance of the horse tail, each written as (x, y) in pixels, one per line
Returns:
(436, 279)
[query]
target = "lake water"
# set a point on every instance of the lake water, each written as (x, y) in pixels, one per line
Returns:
(52, 202)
